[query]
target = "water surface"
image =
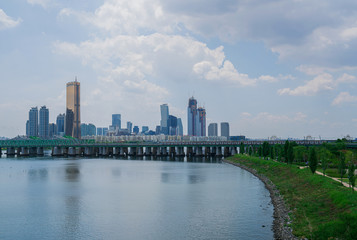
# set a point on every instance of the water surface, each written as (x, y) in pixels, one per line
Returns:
(79, 198)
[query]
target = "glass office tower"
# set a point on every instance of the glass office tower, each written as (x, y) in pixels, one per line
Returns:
(73, 113)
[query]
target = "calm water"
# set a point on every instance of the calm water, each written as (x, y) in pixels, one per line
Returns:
(68, 198)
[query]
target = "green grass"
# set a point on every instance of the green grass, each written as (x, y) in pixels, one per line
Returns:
(321, 207)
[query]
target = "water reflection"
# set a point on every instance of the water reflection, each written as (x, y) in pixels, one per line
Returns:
(72, 172)
(38, 174)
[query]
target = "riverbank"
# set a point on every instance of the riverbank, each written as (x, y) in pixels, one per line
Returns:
(305, 205)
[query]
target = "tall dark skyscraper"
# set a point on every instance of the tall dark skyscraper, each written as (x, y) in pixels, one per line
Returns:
(225, 130)
(213, 129)
(129, 126)
(164, 108)
(73, 111)
(201, 123)
(33, 122)
(172, 125)
(179, 127)
(44, 122)
(60, 123)
(192, 117)
(116, 121)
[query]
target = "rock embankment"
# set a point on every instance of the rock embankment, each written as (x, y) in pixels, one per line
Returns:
(281, 217)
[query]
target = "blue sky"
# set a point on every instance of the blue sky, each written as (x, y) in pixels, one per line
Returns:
(269, 68)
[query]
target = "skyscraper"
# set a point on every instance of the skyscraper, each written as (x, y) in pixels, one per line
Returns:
(44, 122)
(60, 124)
(192, 117)
(213, 129)
(73, 113)
(179, 127)
(164, 118)
(129, 126)
(201, 122)
(225, 129)
(172, 125)
(33, 119)
(116, 121)
(52, 130)
(28, 128)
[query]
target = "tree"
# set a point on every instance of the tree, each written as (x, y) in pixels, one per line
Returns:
(286, 147)
(266, 149)
(250, 151)
(300, 153)
(260, 151)
(272, 152)
(342, 165)
(351, 176)
(312, 160)
(290, 154)
(241, 148)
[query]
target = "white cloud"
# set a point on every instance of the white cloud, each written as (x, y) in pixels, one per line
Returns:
(344, 97)
(321, 82)
(7, 22)
(347, 78)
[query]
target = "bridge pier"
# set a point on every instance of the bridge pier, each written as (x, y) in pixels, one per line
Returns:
(199, 152)
(88, 151)
(207, 151)
(132, 151)
(72, 151)
(24, 151)
(57, 151)
(147, 151)
(139, 151)
(154, 151)
(233, 151)
(0, 152)
(189, 152)
(116, 151)
(226, 152)
(172, 151)
(10, 151)
(39, 151)
(180, 152)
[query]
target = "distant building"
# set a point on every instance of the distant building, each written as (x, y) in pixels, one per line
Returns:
(179, 127)
(136, 130)
(172, 125)
(237, 138)
(91, 129)
(33, 122)
(116, 121)
(129, 126)
(201, 123)
(164, 108)
(44, 122)
(123, 131)
(158, 130)
(105, 131)
(60, 124)
(83, 129)
(28, 128)
(192, 117)
(99, 131)
(144, 129)
(213, 130)
(225, 129)
(73, 110)
(52, 130)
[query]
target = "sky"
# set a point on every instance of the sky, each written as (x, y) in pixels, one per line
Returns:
(285, 68)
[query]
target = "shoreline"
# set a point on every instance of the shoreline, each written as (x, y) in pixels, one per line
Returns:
(281, 217)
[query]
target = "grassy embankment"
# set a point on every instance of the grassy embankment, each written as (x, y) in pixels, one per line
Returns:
(321, 208)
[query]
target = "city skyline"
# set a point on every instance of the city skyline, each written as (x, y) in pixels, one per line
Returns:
(295, 78)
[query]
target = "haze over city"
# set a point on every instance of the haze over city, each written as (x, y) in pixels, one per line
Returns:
(267, 68)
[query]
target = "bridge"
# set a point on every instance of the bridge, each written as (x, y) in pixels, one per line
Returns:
(89, 147)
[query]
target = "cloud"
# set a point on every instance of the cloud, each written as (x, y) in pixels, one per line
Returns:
(321, 82)
(344, 97)
(7, 22)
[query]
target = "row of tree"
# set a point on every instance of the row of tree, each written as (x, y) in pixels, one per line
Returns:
(334, 155)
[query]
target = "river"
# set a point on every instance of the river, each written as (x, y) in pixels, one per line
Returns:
(112, 198)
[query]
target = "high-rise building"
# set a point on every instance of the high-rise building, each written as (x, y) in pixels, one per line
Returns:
(136, 129)
(105, 131)
(116, 121)
(44, 122)
(33, 122)
(28, 128)
(99, 131)
(201, 122)
(164, 118)
(91, 129)
(144, 129)
(60, 124)
(73, 111)
(192, 117)
(83, 129)
(129, 126)
(213, 129)
(225, 129)
(52, 130)
(158, 130)
(179, 127)
(172, 125)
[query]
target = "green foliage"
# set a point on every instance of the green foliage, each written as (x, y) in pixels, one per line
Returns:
(260, 151)
(351, 175)
(342, 165)
(250, 151)
(290, 154)
(312, 160)
(241, 148)
(320, 207)
(272, 152)
(266, 149)
(300, 153)
(286, 147)
(325, 155)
